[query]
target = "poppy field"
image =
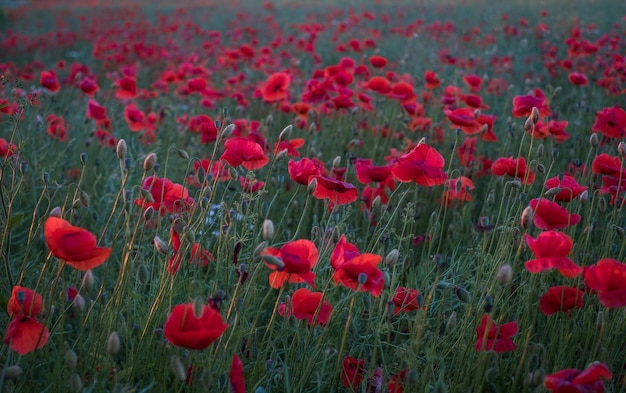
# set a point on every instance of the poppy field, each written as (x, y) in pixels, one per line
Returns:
(312, 197)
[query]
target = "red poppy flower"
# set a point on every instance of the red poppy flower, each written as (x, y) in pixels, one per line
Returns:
(431, 79)
(306, 304)
(24, 335)
(352, 372)
(126, 88)
(48, 80)
(405, 300)
(560, 298)
(24, 302)
(360, 273)
(458, 189)
(495, 338)
(549, 215)
(336, 191)
(423, 165)
(290, 146)
(76, 246)
(343, 252)
(402, 91)
(603, 164)
(523, 105)
(611, 122)
(465, 119)
(299, 257)
(570, 380)
(7, 149)
(184, 329)
(514, 167)
(245, 152)
(237, 382)
(378, 61)
(57, 128)
(578, 79)
(366, 173)
(276, 87)
(200, 256)
(88, 86)
(379, 84)
(608, 277)
(570, 188)
(167, 196)
(302, 171)
(249, 185)
(397, 381)
(134, 117)
(551, 249)
(96, 111)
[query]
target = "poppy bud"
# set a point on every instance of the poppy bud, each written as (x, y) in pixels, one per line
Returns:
(362, 278)
(443, 284)
(584, 196)
(113, 344)
(198, 307)
(160, 245)
(488, 303)
(284, 134)
(228, 130)
(55, 212)
(121, 149)
(310, 188)
(537, 377)
(451, 322)
(337, 161)
(541, 168)
(78, 304)
(516, 183)
(621, 149)
(492, 374)
(142, 274)
(553, 191)
(269, 120)
(262, 246)
(12, 372)
(619, 230)
(593, 140)
(45, 177)
(177, 367)
(23, 167)
(273, 261)
(526, 218)
(602, 205)
(540, 150)
(528, 124)
(88, 280)
(392, 257)
(505, 274)
(182, 154)
(461, 293)
(555, 153)
(149, 162)
(148, 213)
(71, 360)
(76, 383)
(282, 154)
(600, 321)
(83, 158)
(267, 231)
(491, 198)
(312, 127)
(534, 114)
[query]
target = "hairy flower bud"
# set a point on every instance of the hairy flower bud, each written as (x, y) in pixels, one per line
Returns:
(505, 274)
(267, 231)
(149, 162)
(284, 134)
(121, 149)
(160, 245)
(113, 344)
(526, 217)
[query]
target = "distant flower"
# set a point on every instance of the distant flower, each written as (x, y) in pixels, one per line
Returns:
(405, 300)
(513, 167)
(578, 79)
(549, 215)
(551, 249)
(570, 188)
(74, 245)
(7, 149)
(184, 329)
(244, 152)
(361, 273)
(397, 381)
(523, 105)
(302, 171)
(276, 87)
(24, 302)
(352, 372)
(88, 86)
(343, 252)
(560, 298)
(48, 80)
(237, 382)
(611, 122)
(458, 190)
(378, 84)
(24, 333)
(495, 338)
(57, 128)
(608, 278)
(126, 88)
(431, 79)
(298, 257)
(167, 196)
(465, 119)
(423, 165)
(474, 82)
(308, 305)
(96, 111)
(378, 61)
(570, 380)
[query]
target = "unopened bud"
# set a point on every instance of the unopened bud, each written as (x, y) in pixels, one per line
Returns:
(267, 231)
(142, 274)
(337, 161)
(462, 294)
(553, 191)
(121, 149)
(198, 307)
(451, 322)
(516, 183)
(526, 218)
(45, 177)
(177, 367)
(258, 249)
(269, 120)
(113, 344)
(540, 149)
(541, 168)
(88, 280)
(488, 306)
(619, 230)
(392, 257)
(56, 212)
(584, 196)
(78, 304)
(148, 213)
(534, 115)
(505, 274)
(538, 376)
(621, 149)
(83, 158)
(310, 188)
(600, 321)
(228, 130)
(76, 383)
(528, 124)
(284, 134)
(491, 198)
(160, 245)
(555, 153)
(71, 359)
(11, 372)
(182, 154)
(593, 140)
(273, 261)
(602, 205)
(282, 154)
(149, 162)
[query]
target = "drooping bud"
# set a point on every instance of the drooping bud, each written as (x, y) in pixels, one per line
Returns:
(257, 250)
(228, 130)
(461, 293)
(310, 188)
(534, 114)
(451, 322)
(121, 149)
(392, 257)
(149, 162)
(337, 161)
(142, 274)
(71, 359)
(273, 261)
(182, 154)
(621, 149)
(284, 134)
(12, 372)
(594, 140)
(160, 245)
(55, 212)
(88, 280)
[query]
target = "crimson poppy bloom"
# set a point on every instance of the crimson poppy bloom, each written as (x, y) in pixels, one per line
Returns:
(276, 87)
(492, 337)
(578, 79)
(126, 88)
(603, 164)
(167, 196)
(402, 91)
(352, 372)
(570, 380)
(24, 335)
(200, 256)
(514, 167)
(458, 190)
(89, 86)
(343, 252)
(523, 105)
(560, 298)
(205, 126)
(611, 122)
(551, 249)
(474, 82)
(24, 302)
(570, 188)
(134, 117)
(336, 191)
(48, 80)
(7, 149)
(379, 84)
(309, 305)
(465, 119)
(378, 61)
(549, 215)
(57, 128)
(608, 278)
(397, 381)
(302, 171)
(405, 300)
(184, 329)
(360, 273)
(431, 79)
(423, 165)
(249, 185)
(290, 146)
(245, 152)
(237, 382)
(76, 246)
(96, 111)
(366, 173)
(298, 257)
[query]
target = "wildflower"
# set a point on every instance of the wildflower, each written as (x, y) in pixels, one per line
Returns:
(549, 215)
(309, 305)
(352, 372)
(127, 88)
(237, 382)
(560, 298)
(336, 191)
(611, 122)
(184, 329)
(551, 249)
(588, 380)
(431, 79)
(48, 80)
(360, 273)
(570, 188)
(423, 165)
(76, 246)
(465, 119)
(495, 338)
(608, 278)
(167, 196)
(378, 61)
(24, 333)
(276, 87)
(514, 167)
(245, 152)
(298, 258)
(405, 300)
